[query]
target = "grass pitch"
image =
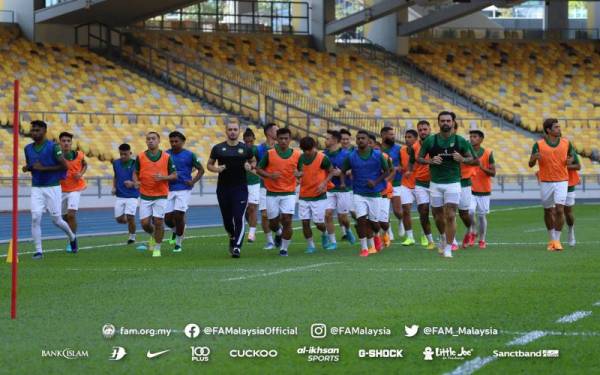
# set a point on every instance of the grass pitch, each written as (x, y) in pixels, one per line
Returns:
(514, 286)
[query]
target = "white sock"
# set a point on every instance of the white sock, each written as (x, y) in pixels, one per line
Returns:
(310, 241)
(285, 244)
(551, 234)
(363, 243)
(132, 236)
(36, 230)
(454, 242)
(572, 230)
(401, 228)
(409, 234)
(390, 233)
(472, 227)
(279, 231)
(429, 237)
(370, 242)
(59, 222)
(332, 238)
(157, 247)
(178, 240)
(482, 219)
(252, 231)
(557, 234)
(269, 237)
(447, 249)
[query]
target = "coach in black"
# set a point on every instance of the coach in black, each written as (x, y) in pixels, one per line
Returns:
(234, 159)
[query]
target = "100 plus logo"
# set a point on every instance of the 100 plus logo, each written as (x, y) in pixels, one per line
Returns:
(66, 353)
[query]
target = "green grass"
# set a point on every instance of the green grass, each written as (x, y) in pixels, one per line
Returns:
(65, 299)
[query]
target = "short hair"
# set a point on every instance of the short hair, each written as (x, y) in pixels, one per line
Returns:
(268, 127)
(345, 131)
(412, 132)
(248, 133)
(372, 137)
(447, 113)
(157, 135)
(423, 122)
(177, 134)
(548, 123)
(125, 147)
(65, 134)
(478, 132)
(386, 129)
(335, 134)
(363, 132)
(39, 124)
(284, 131)
(307, 143)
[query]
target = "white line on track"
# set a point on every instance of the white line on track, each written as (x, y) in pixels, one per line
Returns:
(573, 317)
(285, 270)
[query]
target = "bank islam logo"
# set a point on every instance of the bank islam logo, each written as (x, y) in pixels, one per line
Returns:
(411, 331)
(200, 353)
(108, 331)
(192, 330)
(118, 353)
(66, 353)
(446, 353)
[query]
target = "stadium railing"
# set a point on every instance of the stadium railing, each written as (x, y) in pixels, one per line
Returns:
(7, 16)
(117, 117)
(101, 187)
(406, 68)
(510, 34)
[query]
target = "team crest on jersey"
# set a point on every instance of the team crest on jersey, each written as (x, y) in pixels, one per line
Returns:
(224, 149)
(452, 144)
(240, 151)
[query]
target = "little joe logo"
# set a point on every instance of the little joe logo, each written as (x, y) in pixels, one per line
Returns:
(430, 353)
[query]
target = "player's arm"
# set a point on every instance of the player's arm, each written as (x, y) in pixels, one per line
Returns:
(425, 147)
(212, 160)
(251, 168)
(385, 172)
(84, 167)
(345, 168)
(172, 172)
(260, 169)
(199, 171)
(535, 155)
(467, 155)
(27, 167)
(326, 165)
(392, 170)
(136, 174)
(411, 159)
(574, 163)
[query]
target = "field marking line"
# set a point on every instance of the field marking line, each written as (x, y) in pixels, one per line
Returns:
(597, 303)
(556, 333)
(285, 270)
(573, 317)
(400, 269)
(527, 338)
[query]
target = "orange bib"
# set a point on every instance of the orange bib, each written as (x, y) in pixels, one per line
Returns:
(70, 183)
(481, 182)
(408, 181)
(420, 171)
(286, 183)
(553, 161)
(148, 168)
(312, 177)
(467, 171)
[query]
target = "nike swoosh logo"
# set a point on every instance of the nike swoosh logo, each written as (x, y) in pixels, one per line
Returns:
(153, 355)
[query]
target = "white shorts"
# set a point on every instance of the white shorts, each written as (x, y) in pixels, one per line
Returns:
(254, 194)
(397, 192)
(422, 195)
(312, 210)
(262, 200)
(570, 199)
(442, 194)
(178, 201)
(126, 206)
(70, 201)
(480, 204)
(341, 201)
(408, 195)
(280, 204)
(367, 206)
(465, 198)
(46, 199)
(554, 193)
(384, 210)
(155, 208)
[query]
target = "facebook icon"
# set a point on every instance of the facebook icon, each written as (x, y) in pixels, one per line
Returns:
(192, 330)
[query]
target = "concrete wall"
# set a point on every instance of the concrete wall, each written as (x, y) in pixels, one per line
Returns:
(54, 33)
(528, 23)
(23, 15)
(476, 20)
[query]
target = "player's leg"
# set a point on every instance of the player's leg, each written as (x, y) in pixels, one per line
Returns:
(252, 210)
(373, 212)
(450, 227)
(287, 206)
(570, 217)
(264, 220)
(304, 216)
(345, 204)
(53, 197)
(382, 238)
(407, 199)
(397, 207)
(482, 209)
(131, 205)
(317, 215)
(37, 207)
(181, 206)
(547, 199)
(239, 198)
(120, 211)
(170, 215)
(423, 201)
(464, 205)
(437, 209)
(225, 205)
(158, 214)
(560, 199)
(146, 216)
